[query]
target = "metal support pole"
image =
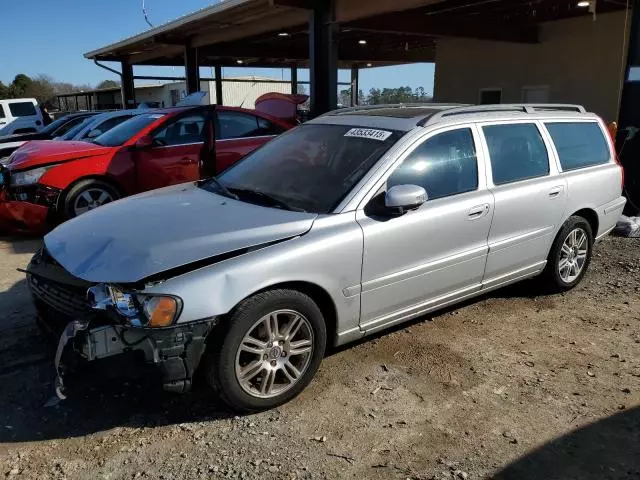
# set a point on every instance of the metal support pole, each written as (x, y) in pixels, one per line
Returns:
(294, 78)
(354, 85)
(76, 97)
(191, 68)
(323, 57)
(127, 89)
(218, 73)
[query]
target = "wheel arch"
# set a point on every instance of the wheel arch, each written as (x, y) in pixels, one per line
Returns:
(591, 216)
(102, 178)
(319, 295)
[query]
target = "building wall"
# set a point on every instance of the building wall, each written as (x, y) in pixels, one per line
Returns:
(235, 94)
(579, 59)
(244, 94)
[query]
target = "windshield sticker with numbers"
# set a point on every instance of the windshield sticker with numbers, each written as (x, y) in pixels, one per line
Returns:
(371, 133)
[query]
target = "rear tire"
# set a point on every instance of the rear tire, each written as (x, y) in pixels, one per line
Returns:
(87, 195)
(255, 364)
(570, 255)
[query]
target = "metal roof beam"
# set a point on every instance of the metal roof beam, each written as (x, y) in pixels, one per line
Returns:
(405, 23)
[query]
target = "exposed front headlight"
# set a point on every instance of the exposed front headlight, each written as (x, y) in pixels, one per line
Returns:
(160, 311)
(28, 177)
(154, 311)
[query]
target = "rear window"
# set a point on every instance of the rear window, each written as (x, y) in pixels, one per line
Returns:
(579, 144)
(22, 109)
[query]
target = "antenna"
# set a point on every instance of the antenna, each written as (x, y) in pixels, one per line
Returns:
(144, 12)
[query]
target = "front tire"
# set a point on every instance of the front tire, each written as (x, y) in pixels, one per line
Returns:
(570, 255)
(269, 352)
(87, 195)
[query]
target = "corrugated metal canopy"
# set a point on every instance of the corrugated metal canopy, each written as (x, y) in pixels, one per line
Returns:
(275, 32)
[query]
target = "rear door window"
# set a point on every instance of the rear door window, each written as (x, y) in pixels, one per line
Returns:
(443, 165)
(22, 109)
(517, 152)
(237, 125)
(579, 144)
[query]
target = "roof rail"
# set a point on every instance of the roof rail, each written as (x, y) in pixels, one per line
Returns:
(365, 108)
(504, 107)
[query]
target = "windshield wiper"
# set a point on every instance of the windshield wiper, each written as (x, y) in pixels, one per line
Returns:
(225, 191)
(275, 202)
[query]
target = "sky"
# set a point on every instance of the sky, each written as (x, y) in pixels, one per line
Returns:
(50, 37)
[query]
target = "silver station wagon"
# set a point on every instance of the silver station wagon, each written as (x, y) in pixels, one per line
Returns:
(351, 223)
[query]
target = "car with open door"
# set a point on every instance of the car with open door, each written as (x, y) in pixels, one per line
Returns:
(352, 223)
(46, 182)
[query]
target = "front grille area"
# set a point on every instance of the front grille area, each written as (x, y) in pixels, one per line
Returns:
(69, 301)
(59, 297)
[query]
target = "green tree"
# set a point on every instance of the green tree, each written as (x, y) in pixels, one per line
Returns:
(20, 85)
(42, 88)
(4, 91)
(344, 97)
(108, 84)
(375, 96)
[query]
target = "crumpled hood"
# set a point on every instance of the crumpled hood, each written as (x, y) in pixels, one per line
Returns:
(44, 152)
(140, 236)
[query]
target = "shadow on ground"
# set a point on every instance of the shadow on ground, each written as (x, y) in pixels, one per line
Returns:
(607, 449)
(22, 244)
(102, 396)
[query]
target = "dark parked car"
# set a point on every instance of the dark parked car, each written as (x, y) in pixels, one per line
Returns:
(10, 143)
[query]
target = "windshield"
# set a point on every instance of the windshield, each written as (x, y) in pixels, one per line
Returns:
(123, 132)
(53, 126)
(75, 130)
(310, 168)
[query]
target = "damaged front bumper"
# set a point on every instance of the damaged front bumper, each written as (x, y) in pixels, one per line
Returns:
(175, 350)
(27, 209)
(64, 311)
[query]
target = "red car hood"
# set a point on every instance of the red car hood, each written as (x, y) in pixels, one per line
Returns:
(43, 152)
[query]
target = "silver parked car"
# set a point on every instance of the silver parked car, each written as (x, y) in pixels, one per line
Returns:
(349, 224)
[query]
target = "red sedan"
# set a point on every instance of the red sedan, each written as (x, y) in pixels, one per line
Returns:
(46, 182)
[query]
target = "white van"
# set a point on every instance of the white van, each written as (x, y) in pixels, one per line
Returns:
(20, 115)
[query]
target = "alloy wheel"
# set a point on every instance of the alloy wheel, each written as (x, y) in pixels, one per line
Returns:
(573, 255)
(89, 199)
(274, 354)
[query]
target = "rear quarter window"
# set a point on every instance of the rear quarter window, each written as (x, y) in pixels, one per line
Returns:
(579, 144)
(22, 109)
(2, 112)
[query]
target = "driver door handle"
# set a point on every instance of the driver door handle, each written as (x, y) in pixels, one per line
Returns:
(187, 161)
(478, 211)
(556, 191)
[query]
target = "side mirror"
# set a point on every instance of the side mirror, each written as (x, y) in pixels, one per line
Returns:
(144, 142)
(402, 198)
(94, 133)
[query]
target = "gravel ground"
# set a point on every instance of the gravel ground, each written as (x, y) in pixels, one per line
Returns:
(509, 386)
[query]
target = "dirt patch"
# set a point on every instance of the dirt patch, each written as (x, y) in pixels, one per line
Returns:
(510, 386)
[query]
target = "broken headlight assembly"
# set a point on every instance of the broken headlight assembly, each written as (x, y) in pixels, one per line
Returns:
(136, 309)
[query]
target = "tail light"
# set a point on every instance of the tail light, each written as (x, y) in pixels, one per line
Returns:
(612, 129)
